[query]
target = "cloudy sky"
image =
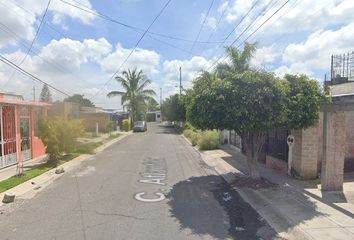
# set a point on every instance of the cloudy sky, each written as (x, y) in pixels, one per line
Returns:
(82, 43)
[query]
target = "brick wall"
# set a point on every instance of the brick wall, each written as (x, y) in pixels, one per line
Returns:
(344, 88)
(90, 120)
(306, 150)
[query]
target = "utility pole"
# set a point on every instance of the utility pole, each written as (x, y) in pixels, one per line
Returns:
(34, 93)
(180, 81)
(160, 97)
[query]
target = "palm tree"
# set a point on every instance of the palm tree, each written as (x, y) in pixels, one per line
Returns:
(135, 94)
(239, 60)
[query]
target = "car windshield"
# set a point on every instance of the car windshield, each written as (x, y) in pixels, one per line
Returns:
(139, 124)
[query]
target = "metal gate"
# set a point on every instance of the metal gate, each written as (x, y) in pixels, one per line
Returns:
(25, 133)
(8, 136)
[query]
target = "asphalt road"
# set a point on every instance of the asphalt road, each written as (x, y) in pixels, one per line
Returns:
(151, 185)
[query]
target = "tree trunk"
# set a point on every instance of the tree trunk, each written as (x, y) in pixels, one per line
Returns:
(254, 141)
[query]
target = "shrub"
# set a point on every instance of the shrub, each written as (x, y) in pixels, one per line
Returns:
(49, 136)
(209, 140)
(126, 125)
(110, 127)
(193, 136)
(68, 131)
(59, 136)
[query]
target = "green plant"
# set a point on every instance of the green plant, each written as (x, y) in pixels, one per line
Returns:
(115, 135)
(86, 148)
(209, 140)
(251, 102)
(126, 125)
(59, 136)
(49, 135)
(110, 126)
(192, 135)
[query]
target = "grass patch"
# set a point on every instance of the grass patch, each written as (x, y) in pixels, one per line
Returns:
(114, 136)
(86, 148)
(80, 148)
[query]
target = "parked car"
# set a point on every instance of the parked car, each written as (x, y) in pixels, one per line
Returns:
(140, 126)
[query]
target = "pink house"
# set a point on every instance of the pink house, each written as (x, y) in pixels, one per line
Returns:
(19, 139)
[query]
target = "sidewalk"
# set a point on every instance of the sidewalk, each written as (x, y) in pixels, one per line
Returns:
(10, 171)
(295, 209)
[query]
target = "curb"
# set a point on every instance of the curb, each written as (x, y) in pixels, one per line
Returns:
(27, 190)
(259, 203)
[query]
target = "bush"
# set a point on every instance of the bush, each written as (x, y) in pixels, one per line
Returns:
(110, 127)
(59, 136)
(209, 140)
(193, 136)
(126, 125)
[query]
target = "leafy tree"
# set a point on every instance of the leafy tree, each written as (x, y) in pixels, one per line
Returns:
(253, 102)
(239, 60)
(152, 105)
(45, 96)
(80, 99)
(173, 108)
(135, 92)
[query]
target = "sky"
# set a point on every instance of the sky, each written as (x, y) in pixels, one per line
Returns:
(80, 44)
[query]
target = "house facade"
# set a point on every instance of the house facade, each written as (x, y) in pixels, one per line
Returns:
(18, 126)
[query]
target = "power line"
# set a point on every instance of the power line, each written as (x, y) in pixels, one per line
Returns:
(238, 24)
(201, 27)
(264, 22)
(217, 24)
(85, 8)
(32, 43)
(135, 47)
(28, 74)
(37, 32)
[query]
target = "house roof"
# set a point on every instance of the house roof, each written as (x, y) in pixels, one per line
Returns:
(23, 102)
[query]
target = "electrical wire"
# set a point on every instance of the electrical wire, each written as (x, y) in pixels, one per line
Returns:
(28, 74)
(108, 18)
(32, 43)
(133, 50)
(201, 27)
(264, 22)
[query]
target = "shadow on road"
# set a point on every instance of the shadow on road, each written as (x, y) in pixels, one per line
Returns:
(166, 130)
(207, 205)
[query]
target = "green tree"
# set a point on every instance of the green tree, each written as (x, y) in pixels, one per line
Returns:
(239, 61)
(80, 99)
(253, 102)
(135, 92)
(45, 96)
(152, 105)
(173, 108)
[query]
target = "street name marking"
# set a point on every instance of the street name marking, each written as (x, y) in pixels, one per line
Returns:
(155, 174)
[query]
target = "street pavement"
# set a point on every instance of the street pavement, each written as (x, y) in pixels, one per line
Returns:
(151, 185)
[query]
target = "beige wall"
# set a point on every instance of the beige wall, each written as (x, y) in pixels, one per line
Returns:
(90, 120)
(64, 109)
(307, 150)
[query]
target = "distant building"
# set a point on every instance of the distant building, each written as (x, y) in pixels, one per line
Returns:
(153, 116)
(68, 110)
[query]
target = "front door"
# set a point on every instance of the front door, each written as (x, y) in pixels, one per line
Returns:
(25, 134)
(9, 136)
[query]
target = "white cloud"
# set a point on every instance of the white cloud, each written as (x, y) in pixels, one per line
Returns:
(210, 22)
(22, 17)
(264, 57)
(146, 60)
(72, 54)
(316, 51)
(190, 69)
